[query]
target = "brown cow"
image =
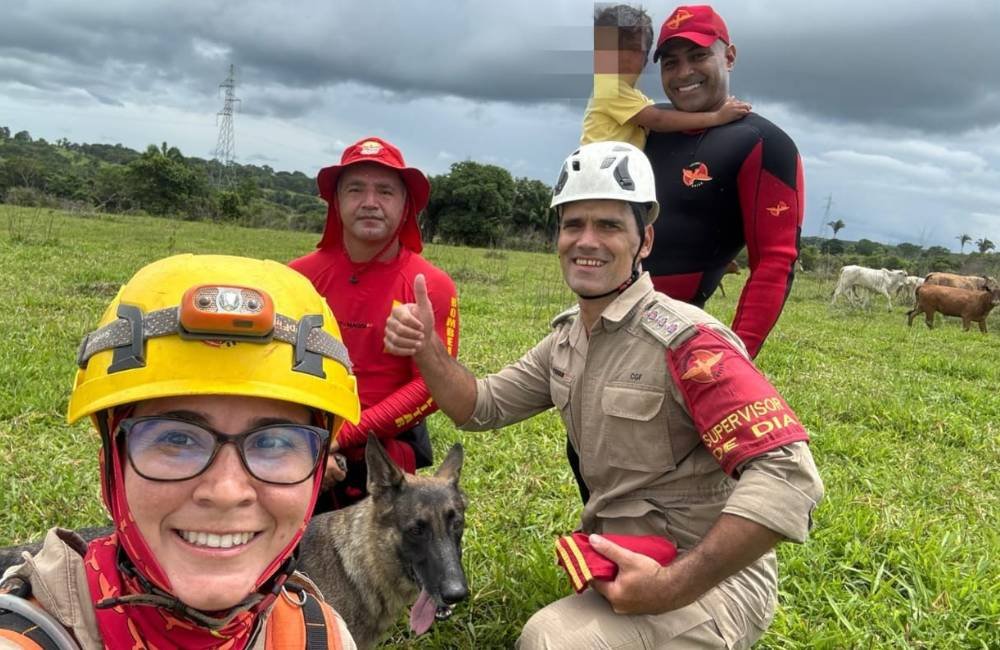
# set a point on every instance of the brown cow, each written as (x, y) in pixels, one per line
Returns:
(971, 306)
(970, 282)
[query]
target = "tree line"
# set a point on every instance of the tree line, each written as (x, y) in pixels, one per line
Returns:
(473, 204)
(828, 255)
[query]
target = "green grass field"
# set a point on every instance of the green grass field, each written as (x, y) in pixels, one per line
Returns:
(905, 427)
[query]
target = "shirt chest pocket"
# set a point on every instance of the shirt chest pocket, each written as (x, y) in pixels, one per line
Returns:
(634, 431)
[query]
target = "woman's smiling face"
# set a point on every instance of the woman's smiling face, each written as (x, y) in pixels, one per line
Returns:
(216, 533)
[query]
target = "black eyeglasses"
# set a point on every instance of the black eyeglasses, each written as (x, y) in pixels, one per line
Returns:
(171, 449)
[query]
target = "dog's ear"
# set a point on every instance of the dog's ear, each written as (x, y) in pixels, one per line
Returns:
(451, 467)
(383, 473)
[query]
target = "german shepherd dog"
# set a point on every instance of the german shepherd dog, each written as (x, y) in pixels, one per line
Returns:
(401, 544)
(404, 542)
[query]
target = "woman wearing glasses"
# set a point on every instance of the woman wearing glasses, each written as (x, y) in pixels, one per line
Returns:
(215, 383)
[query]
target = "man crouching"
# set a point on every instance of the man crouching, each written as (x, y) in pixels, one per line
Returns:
(684, 445)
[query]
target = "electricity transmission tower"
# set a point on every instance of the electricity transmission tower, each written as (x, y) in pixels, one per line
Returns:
(826, 213)
(225, 147)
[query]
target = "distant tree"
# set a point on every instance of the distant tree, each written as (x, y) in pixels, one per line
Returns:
(943, 264)
(963, 239)
(22, 136)
(230, 205)
(832, 247)
(836, 226)
(25, 171)
(808, 257)
(908, 250)
(112, 188)
(985, 245)
(937, 251)
(248, 190)
(440, 197)
(4, 133)
(893, 262)
(530, 209)
(867, 247)
(471, 206)
(162, 182)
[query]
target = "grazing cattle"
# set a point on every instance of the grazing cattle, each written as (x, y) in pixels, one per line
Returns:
(907, 290)
(970, 306)
(970, 282)
(881, 281)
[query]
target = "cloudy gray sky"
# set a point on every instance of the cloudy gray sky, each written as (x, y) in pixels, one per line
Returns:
(895, 105)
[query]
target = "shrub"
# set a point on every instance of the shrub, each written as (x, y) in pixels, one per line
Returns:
(30, 197)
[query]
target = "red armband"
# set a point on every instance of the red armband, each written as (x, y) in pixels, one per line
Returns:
(583, 564)
(737, 411)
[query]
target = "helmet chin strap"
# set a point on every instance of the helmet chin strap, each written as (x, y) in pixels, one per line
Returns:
(635, 261)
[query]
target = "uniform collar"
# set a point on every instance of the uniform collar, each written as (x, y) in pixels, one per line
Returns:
(616, 313)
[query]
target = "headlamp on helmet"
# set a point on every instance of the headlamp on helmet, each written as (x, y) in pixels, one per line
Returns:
(212, 324)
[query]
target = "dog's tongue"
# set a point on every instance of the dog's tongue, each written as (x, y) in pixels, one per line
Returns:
(422, 613)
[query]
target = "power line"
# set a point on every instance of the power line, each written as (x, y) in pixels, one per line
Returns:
(225, 147)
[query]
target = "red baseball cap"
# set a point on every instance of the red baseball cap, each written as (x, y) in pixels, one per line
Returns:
(378, 151)
(696, 23)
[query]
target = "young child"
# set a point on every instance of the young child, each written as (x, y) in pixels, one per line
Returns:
(623, 36)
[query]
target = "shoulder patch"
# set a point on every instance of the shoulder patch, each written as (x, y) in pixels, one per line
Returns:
(565, 316)
(665, 323)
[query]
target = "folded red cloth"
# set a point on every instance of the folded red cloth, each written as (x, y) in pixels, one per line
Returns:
(584, 564)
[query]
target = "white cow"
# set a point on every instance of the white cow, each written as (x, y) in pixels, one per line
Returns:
(908, 290)
(881, 281)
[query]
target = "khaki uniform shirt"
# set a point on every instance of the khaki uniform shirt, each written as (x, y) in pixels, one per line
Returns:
(640, 454)
(59, 584)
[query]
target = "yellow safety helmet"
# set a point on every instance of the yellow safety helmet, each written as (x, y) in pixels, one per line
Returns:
(216, 325)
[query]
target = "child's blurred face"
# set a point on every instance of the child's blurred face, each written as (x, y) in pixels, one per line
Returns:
(616, 53)
(631, 61)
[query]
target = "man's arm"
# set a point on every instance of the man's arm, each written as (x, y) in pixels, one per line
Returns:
(758, 440)
(666, 120)
(513, 394)
(773, 501)
(410, 332)
(772, 201)
(412, 401)
(642, 586)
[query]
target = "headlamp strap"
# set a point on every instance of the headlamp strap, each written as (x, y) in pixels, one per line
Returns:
(133, 329)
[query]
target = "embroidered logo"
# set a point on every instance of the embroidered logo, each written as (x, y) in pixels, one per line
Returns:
(695, 174)
(662, 322)
(703, 366)
(370, 148)
(678, 18)
(776, 210)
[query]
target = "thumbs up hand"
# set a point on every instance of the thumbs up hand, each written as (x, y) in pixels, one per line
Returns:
(410, 326)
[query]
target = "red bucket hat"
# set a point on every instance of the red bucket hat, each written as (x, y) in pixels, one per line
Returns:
(378, 151)
(696, 23)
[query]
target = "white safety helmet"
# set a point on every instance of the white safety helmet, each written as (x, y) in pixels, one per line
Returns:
(607, 170)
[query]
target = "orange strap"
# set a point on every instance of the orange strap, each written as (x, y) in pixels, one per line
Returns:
(19, 639)
(286, 629)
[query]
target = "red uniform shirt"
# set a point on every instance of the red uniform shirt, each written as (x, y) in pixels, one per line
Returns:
(720, 189)
(392, 392)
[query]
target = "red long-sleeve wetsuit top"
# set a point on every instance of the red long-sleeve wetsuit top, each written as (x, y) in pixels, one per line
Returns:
(393, 394)
(720, 189)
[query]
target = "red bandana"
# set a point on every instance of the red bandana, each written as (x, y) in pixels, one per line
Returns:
(144, 626)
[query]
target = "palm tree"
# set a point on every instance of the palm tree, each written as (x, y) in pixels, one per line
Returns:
(963, 239)
(836, 226)
(985, 245)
